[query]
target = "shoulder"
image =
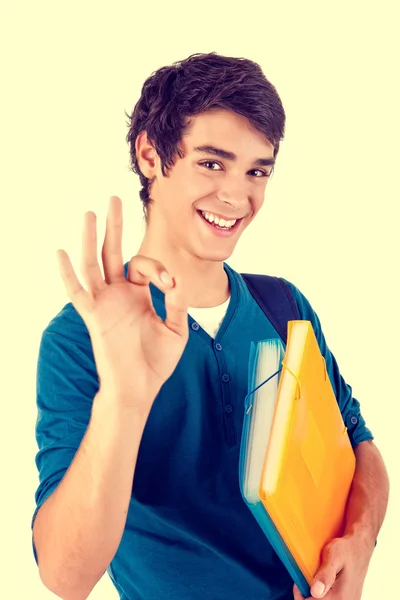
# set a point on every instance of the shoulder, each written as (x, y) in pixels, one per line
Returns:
(67, 324)
(305, 309)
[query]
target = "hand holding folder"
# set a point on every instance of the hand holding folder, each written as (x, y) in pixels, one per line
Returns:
(297, 463)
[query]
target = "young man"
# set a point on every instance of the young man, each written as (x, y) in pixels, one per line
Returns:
(142, 378)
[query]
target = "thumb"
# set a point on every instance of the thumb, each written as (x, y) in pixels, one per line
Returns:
(177, 309)
(332, 563)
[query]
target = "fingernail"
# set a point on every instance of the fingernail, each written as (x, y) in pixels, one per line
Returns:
(165, 278)
(318, 589)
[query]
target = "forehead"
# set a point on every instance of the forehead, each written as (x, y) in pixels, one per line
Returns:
(222, 128)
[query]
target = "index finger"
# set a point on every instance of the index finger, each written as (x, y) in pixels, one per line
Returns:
(297, 595)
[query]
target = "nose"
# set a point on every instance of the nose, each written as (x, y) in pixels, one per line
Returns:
(235, 196)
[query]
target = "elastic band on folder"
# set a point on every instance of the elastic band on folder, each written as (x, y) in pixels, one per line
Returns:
(325, 371)
(296, 378)
(255, 389)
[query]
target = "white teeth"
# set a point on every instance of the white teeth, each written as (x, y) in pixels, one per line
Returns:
(221, 222)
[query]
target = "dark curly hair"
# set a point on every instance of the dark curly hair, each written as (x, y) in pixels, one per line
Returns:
(188, 87)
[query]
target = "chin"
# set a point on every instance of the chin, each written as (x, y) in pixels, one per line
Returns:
(216, 255)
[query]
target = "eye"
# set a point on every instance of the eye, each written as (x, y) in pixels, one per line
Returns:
(209, 162)
(262, 173)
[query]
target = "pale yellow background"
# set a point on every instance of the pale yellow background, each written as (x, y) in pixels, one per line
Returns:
(330, 222)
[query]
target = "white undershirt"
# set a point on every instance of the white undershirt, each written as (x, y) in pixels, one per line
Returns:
(210, 319)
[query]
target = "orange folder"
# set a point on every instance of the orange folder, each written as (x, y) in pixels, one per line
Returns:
(309, 463)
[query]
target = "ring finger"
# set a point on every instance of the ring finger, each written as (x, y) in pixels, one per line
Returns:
(90, 266)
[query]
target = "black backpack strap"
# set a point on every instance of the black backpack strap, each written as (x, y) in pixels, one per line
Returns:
(274, 297)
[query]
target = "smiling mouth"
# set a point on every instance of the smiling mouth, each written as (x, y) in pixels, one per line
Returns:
(233, 222)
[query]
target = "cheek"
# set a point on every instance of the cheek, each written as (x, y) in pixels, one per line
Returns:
(198, 186)
(258, 201)
(188, 194)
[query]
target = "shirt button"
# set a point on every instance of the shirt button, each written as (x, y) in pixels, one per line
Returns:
(195, 326)
(228, 408)
(225, 377)
(354, 420)
(218, 347)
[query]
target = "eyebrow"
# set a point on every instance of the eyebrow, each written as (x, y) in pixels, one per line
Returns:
(260, 162)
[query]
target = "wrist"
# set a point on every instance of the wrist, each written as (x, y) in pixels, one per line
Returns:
(361, 537)
(125, 401)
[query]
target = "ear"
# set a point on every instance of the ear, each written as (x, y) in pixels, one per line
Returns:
(146, 155)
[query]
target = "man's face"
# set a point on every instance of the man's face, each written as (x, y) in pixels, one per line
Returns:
(202, 182)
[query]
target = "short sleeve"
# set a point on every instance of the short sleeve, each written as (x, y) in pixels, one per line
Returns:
(349, 406)
(66, 384)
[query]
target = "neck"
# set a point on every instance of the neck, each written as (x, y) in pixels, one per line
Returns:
(204, 283)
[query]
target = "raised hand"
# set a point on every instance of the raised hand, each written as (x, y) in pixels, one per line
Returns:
(134, 349)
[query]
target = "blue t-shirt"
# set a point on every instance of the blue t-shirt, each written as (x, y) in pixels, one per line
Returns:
(188, 534)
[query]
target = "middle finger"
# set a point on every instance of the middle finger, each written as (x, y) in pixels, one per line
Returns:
(112, 247)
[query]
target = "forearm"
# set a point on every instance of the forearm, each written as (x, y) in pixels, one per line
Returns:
(368, 496)
(78, 529)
